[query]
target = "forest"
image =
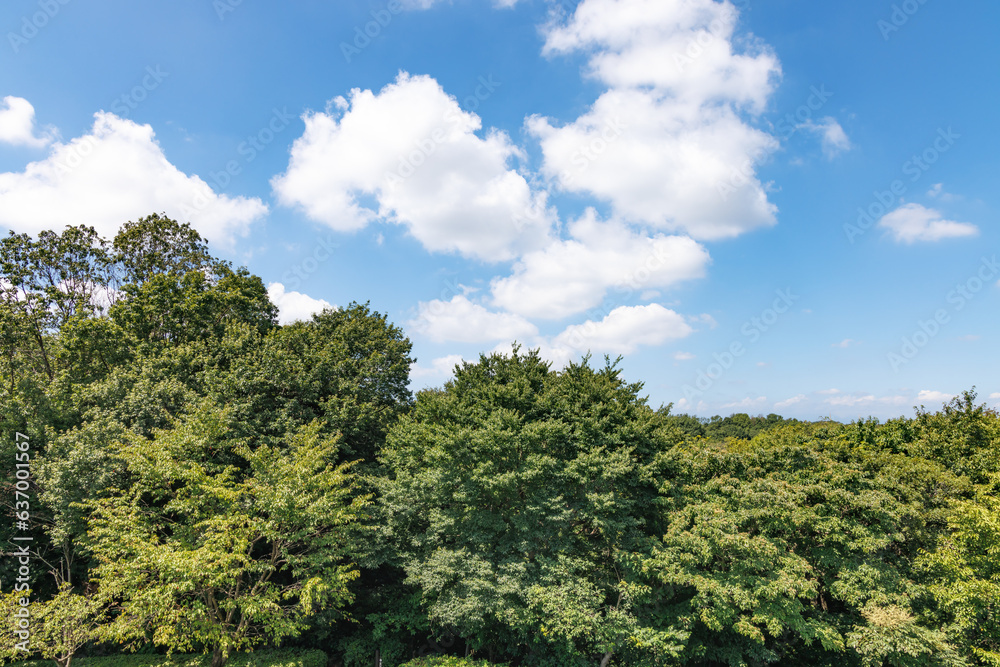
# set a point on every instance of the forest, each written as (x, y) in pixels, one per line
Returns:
(183, 475)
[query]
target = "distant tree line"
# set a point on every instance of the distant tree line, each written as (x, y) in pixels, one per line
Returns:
(204, 479)
(740, 425)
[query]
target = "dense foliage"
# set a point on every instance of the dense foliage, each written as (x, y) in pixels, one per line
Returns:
(205, 479)
(264, 658)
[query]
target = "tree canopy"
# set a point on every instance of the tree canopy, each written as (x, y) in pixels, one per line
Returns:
(206, 479)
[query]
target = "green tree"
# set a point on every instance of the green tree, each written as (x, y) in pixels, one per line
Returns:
(348, 368)
(892, 636)
(45, 283)
(106, 348)
(515, 497)
(217, 545)
(964, 436)
(965, 573)
(156, 245)
(58, 627)
(786, 553)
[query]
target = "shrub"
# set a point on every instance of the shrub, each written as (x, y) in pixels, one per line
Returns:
(447, 661)
(271, 658)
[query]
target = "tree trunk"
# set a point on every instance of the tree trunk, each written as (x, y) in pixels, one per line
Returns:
(219, 657)
(606, 660)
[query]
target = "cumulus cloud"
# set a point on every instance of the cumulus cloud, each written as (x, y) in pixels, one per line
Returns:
(113, 174)
(912, 222)
(681, 47)
(665, 144)
(683, 356)
(934, 396)
(781, 405)
(17, 124)
(622, 331)
(440, 368)
(832, 136)
(462, 321)
(573, 275)
(410, 155)
(294, 306)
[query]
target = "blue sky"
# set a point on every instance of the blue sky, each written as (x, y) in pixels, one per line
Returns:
(763, 206)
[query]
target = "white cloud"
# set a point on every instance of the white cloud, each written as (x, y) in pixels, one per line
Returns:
(851, 401)
(666, 144)
(441, 368)
(622, 331)
(866, 400)
(684, 405)
(789, 402)
(116, 173)
(410, 155)
(934, 396)
(995, 396)
(462, 321)
(912, 222)
(574, 275)
(683, 356)
(832, 136)
(747, 403)
(685, 48)
(294, 306)
(17, 124)
(937, 191)
(705, 318)
(862, 401)
(678, 174)
(844, 344)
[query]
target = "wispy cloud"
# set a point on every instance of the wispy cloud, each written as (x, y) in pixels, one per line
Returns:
(789, 402)
(833, 138)
(747, 403)
(912, 222)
